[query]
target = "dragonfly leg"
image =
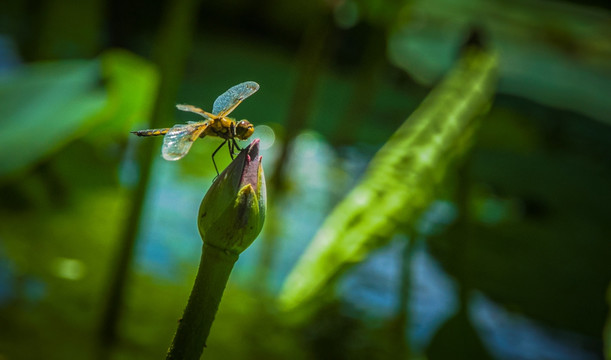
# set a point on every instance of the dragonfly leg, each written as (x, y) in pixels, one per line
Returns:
(214, 153)
(230, 146)
(235, 145)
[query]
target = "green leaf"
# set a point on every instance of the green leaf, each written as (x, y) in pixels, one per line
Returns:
(400, 181)
(42, 107)
(132, 89)
(45, 106)
(539, 68)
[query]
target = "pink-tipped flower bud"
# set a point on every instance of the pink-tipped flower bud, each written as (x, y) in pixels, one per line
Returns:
(232, 213)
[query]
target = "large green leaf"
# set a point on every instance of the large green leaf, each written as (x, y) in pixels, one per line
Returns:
(132, 89)
(400, 181)
(44, 106)
(554, 53)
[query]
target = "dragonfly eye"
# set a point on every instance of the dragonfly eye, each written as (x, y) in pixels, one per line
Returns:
(244, 129)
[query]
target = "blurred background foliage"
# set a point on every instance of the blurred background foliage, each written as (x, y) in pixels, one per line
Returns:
(502, 253)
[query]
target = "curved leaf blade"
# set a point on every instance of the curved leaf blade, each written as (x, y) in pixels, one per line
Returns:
(400, 180)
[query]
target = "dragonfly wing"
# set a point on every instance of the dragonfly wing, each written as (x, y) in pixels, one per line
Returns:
(178, 140)
(231, 98)
(193, 109)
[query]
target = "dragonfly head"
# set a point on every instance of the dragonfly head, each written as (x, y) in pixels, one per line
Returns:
(244, 129)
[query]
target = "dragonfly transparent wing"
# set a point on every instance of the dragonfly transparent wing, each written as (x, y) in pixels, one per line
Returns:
(231, 98)
(193, 109)
(178, 140)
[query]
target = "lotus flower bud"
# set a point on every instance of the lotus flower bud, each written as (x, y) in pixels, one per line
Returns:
(231, 214)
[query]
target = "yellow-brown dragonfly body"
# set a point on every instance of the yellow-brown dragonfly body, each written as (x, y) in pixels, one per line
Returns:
(180, 137)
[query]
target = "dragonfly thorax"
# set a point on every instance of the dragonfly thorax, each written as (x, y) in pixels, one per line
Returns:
(227, 128)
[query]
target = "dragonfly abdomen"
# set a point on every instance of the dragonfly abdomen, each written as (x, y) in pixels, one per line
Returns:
(151, 132)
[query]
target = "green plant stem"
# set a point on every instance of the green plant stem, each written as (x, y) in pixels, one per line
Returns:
(193, 329)
(312, 61)
(462, 229)
(173, 45)
(402, 320)
(365, 88)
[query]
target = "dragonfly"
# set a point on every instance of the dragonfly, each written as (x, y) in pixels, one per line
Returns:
(178, 139)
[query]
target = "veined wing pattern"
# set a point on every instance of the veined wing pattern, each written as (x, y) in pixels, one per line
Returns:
(178, 140)
(231, 98)
(193, 109)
